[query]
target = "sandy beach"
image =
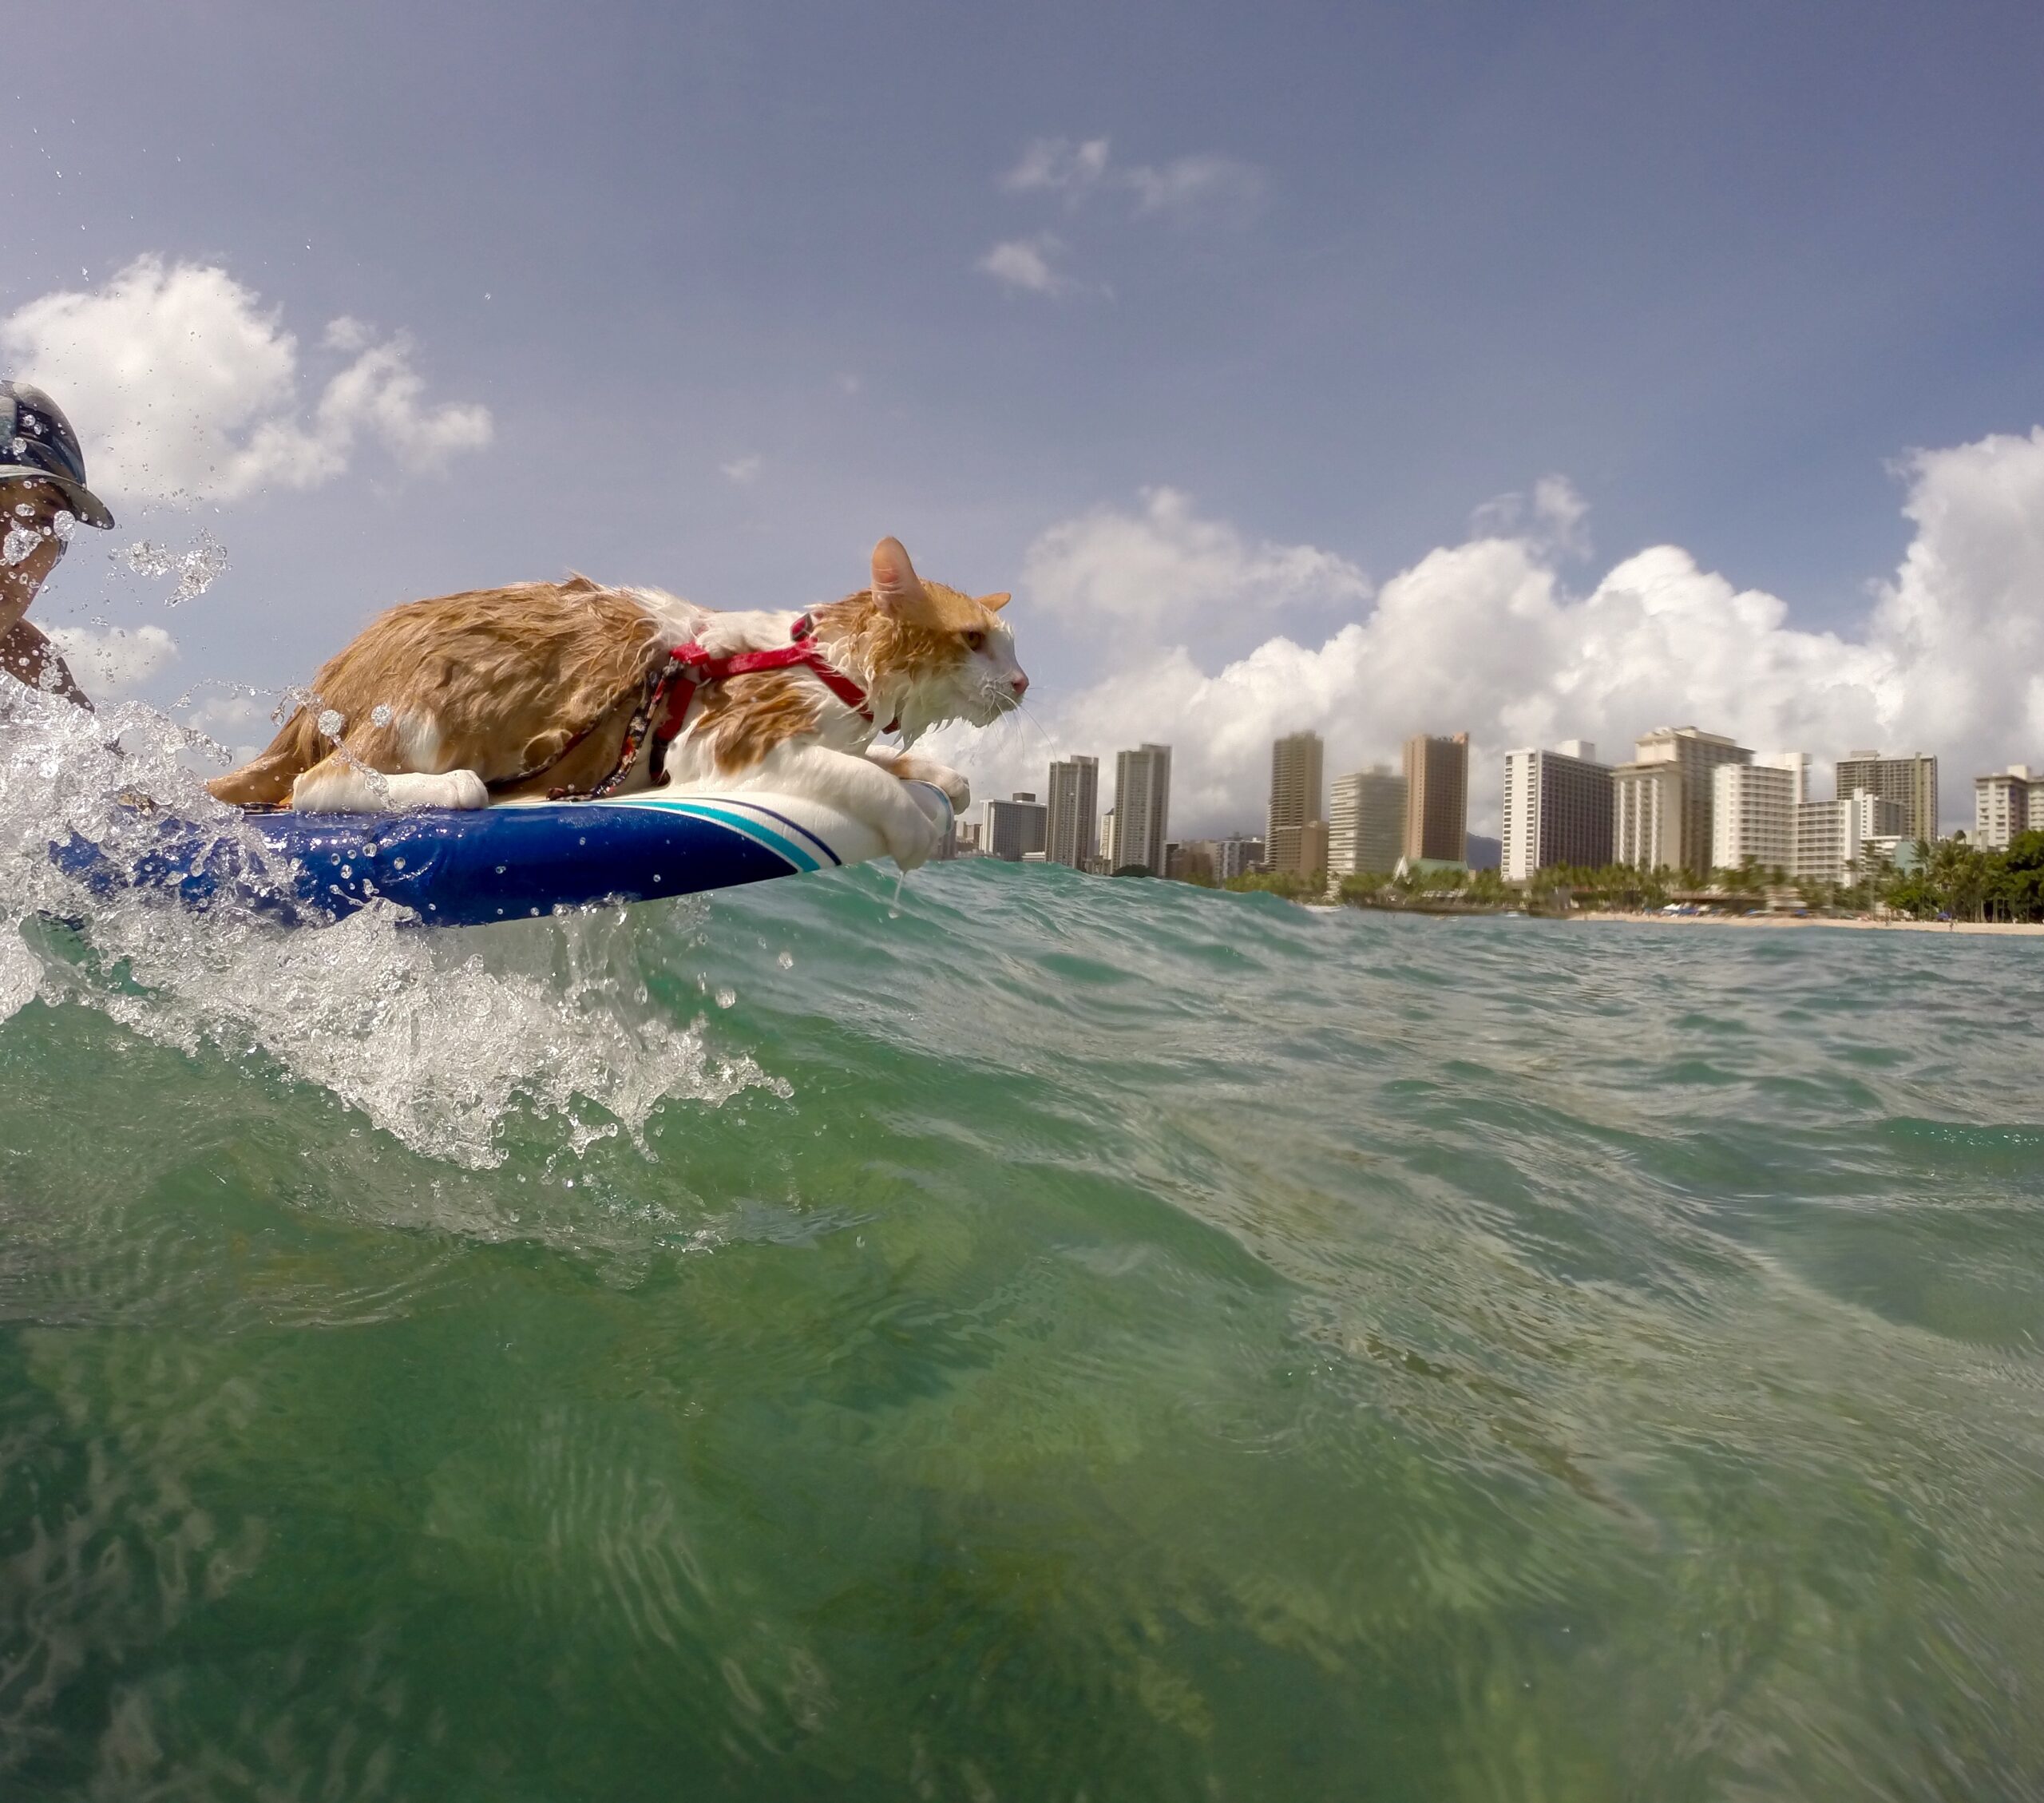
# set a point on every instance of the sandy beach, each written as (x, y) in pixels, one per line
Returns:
(1775, 922)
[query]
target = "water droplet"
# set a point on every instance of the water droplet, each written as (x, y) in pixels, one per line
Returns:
(787, 960)
(728, 998)
(330, 722)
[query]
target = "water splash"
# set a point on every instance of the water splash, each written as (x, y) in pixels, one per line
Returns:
(196, 569)
(440, 1039)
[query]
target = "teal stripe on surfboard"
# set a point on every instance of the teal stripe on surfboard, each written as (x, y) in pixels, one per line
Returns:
(758, 831)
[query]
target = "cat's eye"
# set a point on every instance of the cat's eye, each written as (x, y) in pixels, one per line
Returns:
(975, 640)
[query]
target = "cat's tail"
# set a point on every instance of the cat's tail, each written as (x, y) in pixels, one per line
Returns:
(266, 781)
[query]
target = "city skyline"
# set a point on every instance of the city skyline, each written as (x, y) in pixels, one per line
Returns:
(1689, 800)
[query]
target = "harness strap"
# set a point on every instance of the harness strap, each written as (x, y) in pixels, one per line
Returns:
(673, 682)
(696, 668)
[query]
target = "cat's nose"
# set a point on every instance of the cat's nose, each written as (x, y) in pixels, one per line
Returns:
(1020, 685)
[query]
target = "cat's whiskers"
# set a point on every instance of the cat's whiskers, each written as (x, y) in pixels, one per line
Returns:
(1007, 702)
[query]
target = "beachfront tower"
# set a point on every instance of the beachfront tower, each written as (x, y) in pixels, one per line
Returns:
(1662, 800)
(1557, 811)
(1366, 823)
(1296, 764)
(1910, 782)
(1142, 807)
(1752, 811)
(1016, 828)
(1437, 798)
(1075, 805)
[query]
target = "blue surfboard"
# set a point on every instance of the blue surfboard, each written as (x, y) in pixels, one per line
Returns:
(469, 869)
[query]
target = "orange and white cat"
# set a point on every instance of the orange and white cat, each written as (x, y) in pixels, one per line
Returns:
(555, 688)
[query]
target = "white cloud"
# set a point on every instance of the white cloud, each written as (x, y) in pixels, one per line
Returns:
(115, 661)
(1188, 188)
(1058, 166)
(1204, 186)
(1485, 637)
(238, 722)
(743, 469)
(1164, 562)
(1025, 263)
(1552, 516)
(182, 386)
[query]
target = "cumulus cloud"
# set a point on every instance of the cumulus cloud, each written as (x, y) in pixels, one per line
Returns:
(114, 661)
(182, 384)
(1164, 562)
(1025, 264)
(743, 469)
(1486, 636)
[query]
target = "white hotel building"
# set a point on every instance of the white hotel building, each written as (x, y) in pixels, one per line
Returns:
(1841, 841)
(1752, 811)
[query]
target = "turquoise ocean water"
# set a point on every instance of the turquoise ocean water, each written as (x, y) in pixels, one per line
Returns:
(1040, 1338)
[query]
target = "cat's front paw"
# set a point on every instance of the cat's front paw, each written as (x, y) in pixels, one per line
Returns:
(462, 789)
(913, 838)
(912, 768)
(956, 789)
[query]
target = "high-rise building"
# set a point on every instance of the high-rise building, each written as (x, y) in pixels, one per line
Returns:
(2009, 802)
(1105, 861)
(1752, 811)
(1015, 827)
(1831, 838)
(1236, 856)
(1557, 810)
(1142, 807)
(1075, 803)
(1912, 780)
(1296, 763)
(1366, 823)
(1311, 852)
(1647, 816)
(1436, 797)
(1643, 799)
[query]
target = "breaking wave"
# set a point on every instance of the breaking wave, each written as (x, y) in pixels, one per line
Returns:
(438, 1038)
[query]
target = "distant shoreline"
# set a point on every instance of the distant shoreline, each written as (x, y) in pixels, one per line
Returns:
(2011, 929)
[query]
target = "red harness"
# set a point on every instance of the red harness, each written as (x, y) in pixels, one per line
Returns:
(672, 684)
(694, 669)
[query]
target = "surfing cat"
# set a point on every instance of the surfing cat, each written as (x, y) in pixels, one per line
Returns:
(572, 689)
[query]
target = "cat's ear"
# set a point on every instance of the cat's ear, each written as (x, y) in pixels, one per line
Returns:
(896, 586)
(993, 604)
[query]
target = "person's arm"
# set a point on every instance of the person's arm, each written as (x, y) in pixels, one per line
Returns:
(27, 656)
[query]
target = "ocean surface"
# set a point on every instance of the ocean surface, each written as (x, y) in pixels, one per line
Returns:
(1026, 1338)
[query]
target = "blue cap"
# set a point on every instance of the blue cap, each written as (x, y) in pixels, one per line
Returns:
(36, 440)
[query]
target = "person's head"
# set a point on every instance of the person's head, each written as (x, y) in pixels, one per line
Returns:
(42, 483)
(36, 523)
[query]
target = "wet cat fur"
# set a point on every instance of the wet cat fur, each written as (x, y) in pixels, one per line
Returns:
(504, 693)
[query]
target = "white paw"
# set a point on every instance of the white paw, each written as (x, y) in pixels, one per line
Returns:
(465, 789)
(913, 838)
(939, 776)
(453, 788)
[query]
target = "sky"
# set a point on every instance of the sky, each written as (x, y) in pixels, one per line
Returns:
(1536, 371)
